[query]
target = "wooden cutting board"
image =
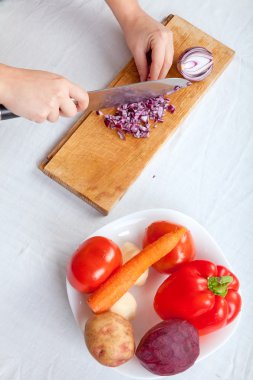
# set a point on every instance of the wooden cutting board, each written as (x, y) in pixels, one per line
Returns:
(94, 163)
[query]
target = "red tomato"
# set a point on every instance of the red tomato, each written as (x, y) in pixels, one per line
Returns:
(92, 263)
(182, 253)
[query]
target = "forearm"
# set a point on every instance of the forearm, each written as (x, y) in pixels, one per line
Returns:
(124, 11)
(5, 72)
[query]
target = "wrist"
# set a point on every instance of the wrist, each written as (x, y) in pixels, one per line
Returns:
(125, 12)
(130, 19)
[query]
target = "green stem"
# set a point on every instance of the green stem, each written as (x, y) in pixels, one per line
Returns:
(219, 285)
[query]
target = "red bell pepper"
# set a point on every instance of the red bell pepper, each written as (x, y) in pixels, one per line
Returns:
(204, 294)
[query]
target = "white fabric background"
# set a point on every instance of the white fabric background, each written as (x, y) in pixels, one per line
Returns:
(205, 170)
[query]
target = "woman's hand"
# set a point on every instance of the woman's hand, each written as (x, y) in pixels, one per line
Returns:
(144, 34)
(40, 95)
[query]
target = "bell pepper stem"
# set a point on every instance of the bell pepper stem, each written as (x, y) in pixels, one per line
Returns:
(219, 285)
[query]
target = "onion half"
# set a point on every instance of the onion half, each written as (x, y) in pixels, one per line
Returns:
(195, 64)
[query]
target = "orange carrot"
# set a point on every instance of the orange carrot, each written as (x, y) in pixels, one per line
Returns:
(125, 276)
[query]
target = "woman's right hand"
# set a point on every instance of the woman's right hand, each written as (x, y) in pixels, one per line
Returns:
(40, 95)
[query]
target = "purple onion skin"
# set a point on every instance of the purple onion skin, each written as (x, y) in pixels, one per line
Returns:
(168, 348)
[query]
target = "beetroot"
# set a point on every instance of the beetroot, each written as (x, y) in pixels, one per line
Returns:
(169, 347)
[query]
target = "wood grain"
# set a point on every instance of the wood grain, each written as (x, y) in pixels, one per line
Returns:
(94, 163)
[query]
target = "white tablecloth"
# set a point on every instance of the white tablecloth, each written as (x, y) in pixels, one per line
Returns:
(205, 170)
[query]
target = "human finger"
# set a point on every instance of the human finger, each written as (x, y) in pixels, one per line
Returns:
(68, 108)
(141, 64)
(53, 115)
(157, 56)
(80, 96)
(168, 58)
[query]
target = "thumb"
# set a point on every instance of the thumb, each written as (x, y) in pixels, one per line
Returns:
(141, 64)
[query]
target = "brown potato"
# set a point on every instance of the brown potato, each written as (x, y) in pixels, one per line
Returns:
(109, 338)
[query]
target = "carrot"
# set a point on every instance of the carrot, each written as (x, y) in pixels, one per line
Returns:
(125, 276)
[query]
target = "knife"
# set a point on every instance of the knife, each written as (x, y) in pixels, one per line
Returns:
(115, 96)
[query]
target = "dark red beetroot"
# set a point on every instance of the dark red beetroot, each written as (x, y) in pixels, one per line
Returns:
(169, 347)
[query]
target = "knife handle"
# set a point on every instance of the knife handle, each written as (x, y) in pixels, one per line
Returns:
(5, 114)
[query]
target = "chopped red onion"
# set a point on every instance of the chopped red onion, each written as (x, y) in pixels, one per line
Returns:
(171, 108)
(134, 118)
(121, 135)
(195, 63)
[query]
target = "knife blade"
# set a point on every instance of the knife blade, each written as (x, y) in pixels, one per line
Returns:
(115, 96)
(133, 93)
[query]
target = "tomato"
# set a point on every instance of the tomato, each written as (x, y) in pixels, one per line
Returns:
(182, 253)
(92, 263)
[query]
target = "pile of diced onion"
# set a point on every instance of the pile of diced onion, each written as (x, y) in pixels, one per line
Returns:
(136, 118)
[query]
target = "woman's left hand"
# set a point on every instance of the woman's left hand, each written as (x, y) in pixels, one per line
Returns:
(144, 34)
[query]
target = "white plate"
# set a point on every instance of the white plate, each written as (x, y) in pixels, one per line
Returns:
(131, 228)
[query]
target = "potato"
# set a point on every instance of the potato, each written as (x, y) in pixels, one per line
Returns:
(129, 250)
(109, 338)
(126, 306)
